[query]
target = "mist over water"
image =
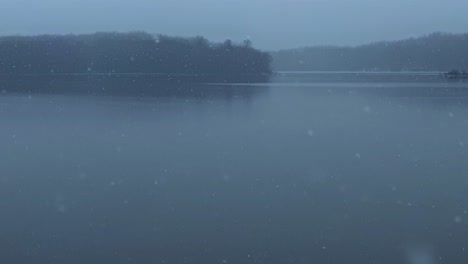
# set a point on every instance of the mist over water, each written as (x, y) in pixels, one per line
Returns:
(307, 169)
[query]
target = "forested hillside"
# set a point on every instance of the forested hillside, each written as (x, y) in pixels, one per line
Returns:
(128, 53)
(435, 52)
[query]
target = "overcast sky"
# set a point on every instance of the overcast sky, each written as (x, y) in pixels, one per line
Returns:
(270, 24)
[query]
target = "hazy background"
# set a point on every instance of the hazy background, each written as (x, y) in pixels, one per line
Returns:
(271, 24)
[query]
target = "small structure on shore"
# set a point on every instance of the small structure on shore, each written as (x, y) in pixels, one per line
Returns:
(456, 74)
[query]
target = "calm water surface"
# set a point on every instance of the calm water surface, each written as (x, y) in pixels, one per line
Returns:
(303, 170)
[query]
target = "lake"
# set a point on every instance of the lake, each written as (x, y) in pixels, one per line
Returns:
(310, 168)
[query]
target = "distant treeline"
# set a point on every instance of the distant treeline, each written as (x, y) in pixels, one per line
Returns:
(135, 52)
(435, 52)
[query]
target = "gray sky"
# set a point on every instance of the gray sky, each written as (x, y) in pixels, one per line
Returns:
(271, 24)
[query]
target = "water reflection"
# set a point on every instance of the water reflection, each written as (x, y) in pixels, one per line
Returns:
(116, 85)
(271, 173)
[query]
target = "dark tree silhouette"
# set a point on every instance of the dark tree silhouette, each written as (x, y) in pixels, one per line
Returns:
(247, 43)
(136, 52)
